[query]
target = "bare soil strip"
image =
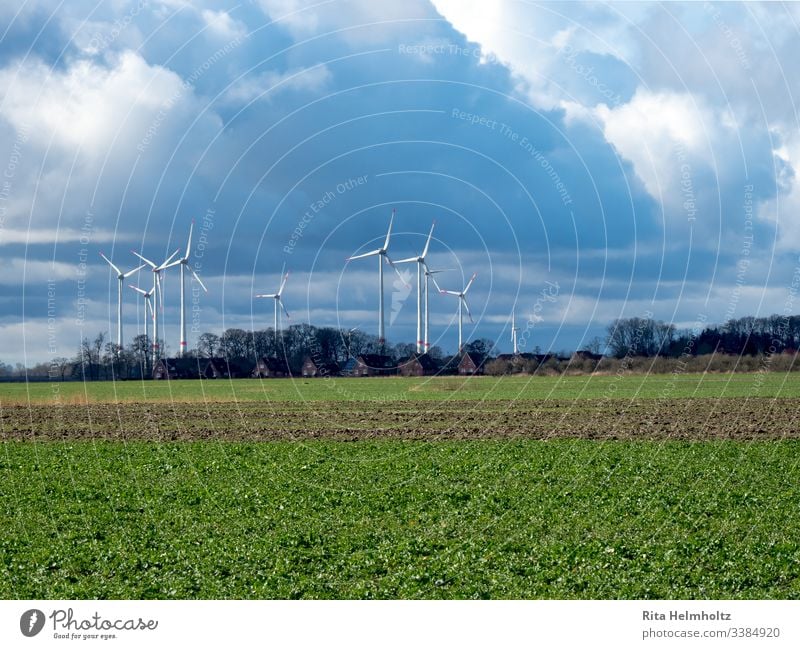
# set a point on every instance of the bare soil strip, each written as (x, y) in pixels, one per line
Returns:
(645, 419)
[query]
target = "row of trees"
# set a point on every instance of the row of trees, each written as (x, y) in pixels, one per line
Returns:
(749, 336)
(99, 359)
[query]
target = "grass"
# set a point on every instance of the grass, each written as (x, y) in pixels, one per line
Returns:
(348, 389)
(561, 519)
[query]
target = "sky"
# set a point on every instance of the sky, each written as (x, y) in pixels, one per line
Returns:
(587, 161)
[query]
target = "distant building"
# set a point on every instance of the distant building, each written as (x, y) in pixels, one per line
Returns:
(585, 355)
(271, 368)
(222, 368)
(419, 365)
(312, 368)
(525, 358)
(374, 365)
(471, 363)
(177, 368)
(348, 367)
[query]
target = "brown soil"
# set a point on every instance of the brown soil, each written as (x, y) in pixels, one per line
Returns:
(646, 419)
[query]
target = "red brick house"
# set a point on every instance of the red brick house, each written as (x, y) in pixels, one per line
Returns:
(471, 363)
(176, 368)
(312, 368)
(374, 365)
(419, 365)
(271, 368)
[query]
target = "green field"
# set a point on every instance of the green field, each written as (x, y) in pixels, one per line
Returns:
(566, 519)
(435, 388)
(403, 518)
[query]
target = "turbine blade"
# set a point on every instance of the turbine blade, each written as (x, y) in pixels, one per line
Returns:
(388, 232)
(284, 308)
(199, 281)
(433, 279)
(449, 292)
(472, 279)
(428, 242)
(118, 271)
(132, 272)
(189, 245)
(197, 277)
(159, 291)
(466, 306)
(169, 259)
(138, 290)
(283, 283)
(366, 254)
(144, 259)
(272, 295)
(406, 261)
(391, 263)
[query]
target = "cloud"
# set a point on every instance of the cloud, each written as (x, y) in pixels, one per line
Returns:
(222, 25)
(268, 85)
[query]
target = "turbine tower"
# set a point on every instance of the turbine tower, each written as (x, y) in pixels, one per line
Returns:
(183, 262)
(278, 304)
(121, 277)
(421, 271)
(157, 294)
(381, 253)
(462, 304)
(429, 275)
(514, 330)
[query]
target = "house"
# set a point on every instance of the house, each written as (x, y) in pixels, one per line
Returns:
(471, 363)
(271, 368)
(177, 368)
(222, 368)
(347, 367)
(419, 365)
(374, 365)
(313, 368)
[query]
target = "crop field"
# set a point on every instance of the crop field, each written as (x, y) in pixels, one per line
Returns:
(516, 487)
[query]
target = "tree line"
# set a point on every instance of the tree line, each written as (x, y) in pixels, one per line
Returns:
(641, 337)
(748, 336)
(100, 359)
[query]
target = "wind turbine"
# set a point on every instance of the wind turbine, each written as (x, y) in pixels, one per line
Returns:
(156, 293)
(462, 304)
(148, 303)
(120, 279)
(278, 303)
(381, 253)
(183, 262)
(514, 330)
(421, 270)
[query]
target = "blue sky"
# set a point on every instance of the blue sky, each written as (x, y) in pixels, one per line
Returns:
(640, 157)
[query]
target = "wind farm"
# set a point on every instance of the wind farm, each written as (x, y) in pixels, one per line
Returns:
(154, 309)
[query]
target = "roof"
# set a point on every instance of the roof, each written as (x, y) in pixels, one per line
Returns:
(377, 361)
(330, 366)
(349, 364)
(477, 359)
(425, 360)
(234, 365)
(181, 364)
(274, 364)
